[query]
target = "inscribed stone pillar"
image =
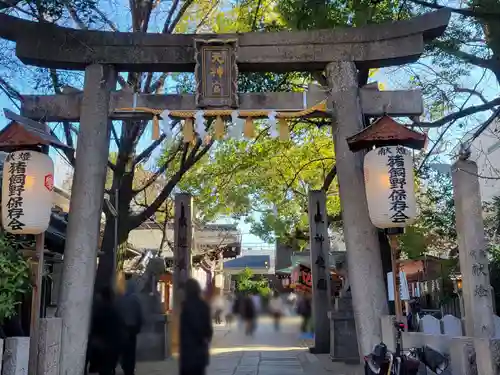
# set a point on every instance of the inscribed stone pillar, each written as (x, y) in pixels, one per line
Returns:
(319, 245)
(80, 252)
(476, 289)
(183, 233)
(363, 253)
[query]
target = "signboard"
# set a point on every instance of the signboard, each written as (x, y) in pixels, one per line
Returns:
(216, 73)
(304, 278)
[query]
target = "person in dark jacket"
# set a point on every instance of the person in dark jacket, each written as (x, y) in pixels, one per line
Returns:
(237, 309)
(195, 331)
(105, 333)
(130, 309)
(248, 314)
(304, 309)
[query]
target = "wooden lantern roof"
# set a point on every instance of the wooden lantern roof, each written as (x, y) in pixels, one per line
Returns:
(386, 132)
(22, 131)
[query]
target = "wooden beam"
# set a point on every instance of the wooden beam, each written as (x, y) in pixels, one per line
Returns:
(372, 46)
(374, 103)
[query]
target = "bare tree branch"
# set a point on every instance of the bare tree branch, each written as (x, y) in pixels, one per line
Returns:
(465, 56)
(74, 16)
(191, 160)
(256, 15)
(146, 153)
(158, 85)
(177, 18)
(115, 135)
(170, 14)
(329, 178)
(105, 19)
(11, 92)
(206, 16)
(151, 180)
(6, 4)
(460, 114)
(471, 91)
(463, 12)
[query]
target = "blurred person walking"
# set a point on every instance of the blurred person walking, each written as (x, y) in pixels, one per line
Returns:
(276, 307)
(249, 315)
(105, 334)
(304, 309)
(130, 309)
(218, 307)
(228, 313)
(237, 308)
(195, 331)
(257, 303)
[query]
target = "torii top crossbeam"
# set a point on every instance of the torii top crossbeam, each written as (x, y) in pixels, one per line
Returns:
(371, 46)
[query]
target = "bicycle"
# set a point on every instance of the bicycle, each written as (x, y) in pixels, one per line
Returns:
(382, 361)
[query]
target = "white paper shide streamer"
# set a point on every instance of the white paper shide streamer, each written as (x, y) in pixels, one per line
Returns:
(273, 124)
(199, 123)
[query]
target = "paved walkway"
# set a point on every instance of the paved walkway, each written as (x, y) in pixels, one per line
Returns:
(266, 353)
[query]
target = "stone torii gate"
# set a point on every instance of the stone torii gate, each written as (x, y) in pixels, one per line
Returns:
(339, 52)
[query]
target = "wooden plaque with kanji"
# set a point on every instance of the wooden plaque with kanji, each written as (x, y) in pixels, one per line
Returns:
(216, 74)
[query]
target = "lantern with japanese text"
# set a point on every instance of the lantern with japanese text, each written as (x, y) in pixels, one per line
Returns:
(389, 184)
(27, 187)
(219, 280)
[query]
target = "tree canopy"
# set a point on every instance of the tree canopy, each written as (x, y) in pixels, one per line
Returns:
(263, 180)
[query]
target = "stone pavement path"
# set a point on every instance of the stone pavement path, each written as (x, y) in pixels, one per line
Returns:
(266, 353)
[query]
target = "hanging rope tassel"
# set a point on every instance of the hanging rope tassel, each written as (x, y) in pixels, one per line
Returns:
(188, 131)
(249, 128)
(283, 129)
(156, 128)
(219, 128)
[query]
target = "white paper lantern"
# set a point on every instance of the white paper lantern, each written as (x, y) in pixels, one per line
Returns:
(219, 280)
(27, 188)
(389, 184)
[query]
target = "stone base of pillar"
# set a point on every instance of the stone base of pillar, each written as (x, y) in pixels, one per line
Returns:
(344, 343)
(463, 356)
(16, 356)
(388, 332)
(1, 351)
(49, 346)
(151, 342)
(487, 356)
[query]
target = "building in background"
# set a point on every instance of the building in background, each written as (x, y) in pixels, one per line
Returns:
(265, 250)
(485, 151)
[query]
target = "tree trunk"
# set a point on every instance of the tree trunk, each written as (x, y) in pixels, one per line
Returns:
(105, 269)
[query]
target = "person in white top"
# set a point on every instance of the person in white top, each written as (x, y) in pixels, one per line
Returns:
(276, 307)
(218, 307)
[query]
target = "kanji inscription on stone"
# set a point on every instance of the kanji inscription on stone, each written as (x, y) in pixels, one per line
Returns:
(216, 74)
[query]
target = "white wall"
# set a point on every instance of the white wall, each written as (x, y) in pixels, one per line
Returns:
(485, 151)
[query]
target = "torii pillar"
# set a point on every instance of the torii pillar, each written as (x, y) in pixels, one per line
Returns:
(82, 236)
(369, 296)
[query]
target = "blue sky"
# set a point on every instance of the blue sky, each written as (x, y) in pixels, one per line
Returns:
(392, 78)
